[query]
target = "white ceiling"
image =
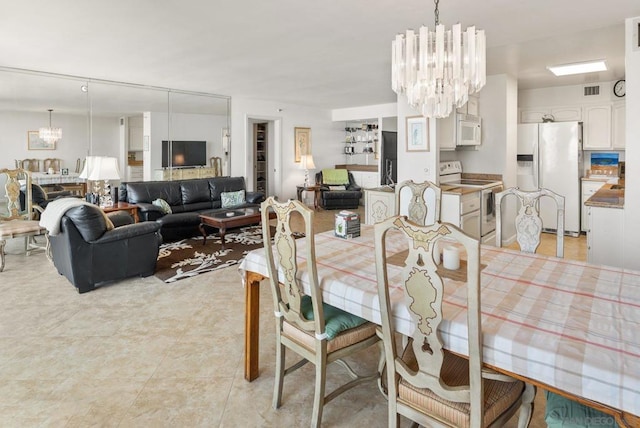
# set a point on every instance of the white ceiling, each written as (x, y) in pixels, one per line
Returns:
(329, 54)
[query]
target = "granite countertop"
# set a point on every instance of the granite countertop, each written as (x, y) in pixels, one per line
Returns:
(608, 196)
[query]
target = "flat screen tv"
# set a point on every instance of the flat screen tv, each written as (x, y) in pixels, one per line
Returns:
(184, 154)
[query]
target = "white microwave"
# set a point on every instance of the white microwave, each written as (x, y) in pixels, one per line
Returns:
(468, 130)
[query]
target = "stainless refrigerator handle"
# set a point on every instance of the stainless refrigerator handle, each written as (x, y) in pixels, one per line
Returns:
(536, 156)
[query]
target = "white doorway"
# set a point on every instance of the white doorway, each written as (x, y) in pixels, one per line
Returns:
(274, 153)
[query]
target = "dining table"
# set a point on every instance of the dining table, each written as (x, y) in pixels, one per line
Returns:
(563, 325)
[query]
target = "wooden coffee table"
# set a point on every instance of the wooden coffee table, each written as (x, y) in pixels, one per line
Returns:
(123, 206)
(228, 219)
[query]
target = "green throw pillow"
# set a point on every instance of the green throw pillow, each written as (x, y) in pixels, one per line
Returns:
(232, 199)
(335, 320)
(164, 206)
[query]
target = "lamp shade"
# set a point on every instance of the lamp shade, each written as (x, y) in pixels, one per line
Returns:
(88, 167)
(307, 162)
(104, 168)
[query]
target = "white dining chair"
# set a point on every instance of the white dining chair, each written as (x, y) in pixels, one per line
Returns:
(319, 333)
(422, 208)
(424, 382)
(528, 223)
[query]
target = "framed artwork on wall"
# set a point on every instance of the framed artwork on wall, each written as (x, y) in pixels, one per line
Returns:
(302, 139)
(417, 134)
(34, 142)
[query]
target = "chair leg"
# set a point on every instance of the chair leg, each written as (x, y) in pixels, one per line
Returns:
(526, 408)
(2, 242)
(279, 375)
(318, 398)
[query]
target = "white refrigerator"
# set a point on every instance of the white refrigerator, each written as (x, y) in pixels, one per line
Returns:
(550, 156)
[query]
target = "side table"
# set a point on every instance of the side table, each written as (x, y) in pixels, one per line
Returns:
(123, 206)
(315, 188)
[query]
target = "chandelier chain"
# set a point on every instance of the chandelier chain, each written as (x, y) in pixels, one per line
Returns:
(437, 12)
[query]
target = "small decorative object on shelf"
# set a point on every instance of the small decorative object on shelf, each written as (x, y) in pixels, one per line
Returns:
(361, 132)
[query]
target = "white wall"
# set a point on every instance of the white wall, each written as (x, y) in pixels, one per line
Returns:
(326, 140)
(75, 142)
(416, 166)
(632, 190)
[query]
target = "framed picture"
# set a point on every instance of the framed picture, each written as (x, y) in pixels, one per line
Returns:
(417, 134)
(302, 140)
(34, 142)
(64, 171)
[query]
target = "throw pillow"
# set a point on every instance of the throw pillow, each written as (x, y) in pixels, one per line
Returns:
(164, 205)
(232, 199)
(337, 188)
(335, 320)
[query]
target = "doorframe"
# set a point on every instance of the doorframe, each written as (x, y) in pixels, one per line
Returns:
(274, 149)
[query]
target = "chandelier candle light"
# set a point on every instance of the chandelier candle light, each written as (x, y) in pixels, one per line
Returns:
(50, 134)
(438, 70)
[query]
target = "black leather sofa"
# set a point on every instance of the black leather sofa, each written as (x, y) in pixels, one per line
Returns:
(89, 255)
(339, 199)
(187, 199)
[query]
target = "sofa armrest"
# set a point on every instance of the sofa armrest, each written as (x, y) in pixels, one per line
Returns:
(128, 231)
(254, 197)
(149, 212)
(354, 187)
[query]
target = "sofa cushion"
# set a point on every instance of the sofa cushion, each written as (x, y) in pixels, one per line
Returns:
(232, 199)
(90, 221)
(148, 191)
(180, 219)
(225, 184)
(194, 191)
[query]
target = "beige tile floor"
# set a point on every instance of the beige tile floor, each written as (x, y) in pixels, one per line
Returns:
(142, 353)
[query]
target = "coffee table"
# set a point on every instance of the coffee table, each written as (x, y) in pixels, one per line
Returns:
(228, 219)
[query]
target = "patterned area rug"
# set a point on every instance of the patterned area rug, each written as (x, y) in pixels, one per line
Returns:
(188, 257)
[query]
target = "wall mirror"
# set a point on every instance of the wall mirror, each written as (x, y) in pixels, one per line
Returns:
(103, 118)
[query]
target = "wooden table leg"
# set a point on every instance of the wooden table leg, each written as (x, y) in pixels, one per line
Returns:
(204, 234)
(222, 231)
(252, 325)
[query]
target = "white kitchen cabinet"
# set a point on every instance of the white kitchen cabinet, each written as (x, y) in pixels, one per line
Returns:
(605, 235)
(618, 126)
(366, 179)
(472, 106)
(134, 173)
(589, 187)
(462, 211)
(379, 203)
(446, 133)
(597, 127)
(559, 114)
(135, 134)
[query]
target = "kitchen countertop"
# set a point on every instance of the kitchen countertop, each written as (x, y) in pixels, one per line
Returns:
(607, 197)
(457, 190)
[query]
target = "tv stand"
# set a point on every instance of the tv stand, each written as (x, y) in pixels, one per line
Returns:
(170, 174)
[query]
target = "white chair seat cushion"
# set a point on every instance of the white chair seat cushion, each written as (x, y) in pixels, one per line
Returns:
(498, 396)
(16, 228)
(342, 340)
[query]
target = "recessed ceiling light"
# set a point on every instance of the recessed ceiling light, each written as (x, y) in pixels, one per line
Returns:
(578, 68)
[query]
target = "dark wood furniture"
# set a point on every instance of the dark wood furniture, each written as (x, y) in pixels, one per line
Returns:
(315, 188)
(123, 206)
(228, 219)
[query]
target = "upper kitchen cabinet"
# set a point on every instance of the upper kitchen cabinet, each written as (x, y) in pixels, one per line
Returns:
(556, 114)
(597, 127)
(471, 107)
(619, 124)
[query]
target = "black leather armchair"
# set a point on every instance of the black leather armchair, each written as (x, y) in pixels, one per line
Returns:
(89, 255)
(339, 199)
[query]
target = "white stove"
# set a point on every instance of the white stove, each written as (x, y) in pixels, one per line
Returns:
(451, 174)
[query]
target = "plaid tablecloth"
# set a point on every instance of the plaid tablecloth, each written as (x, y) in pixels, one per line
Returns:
(564, 323)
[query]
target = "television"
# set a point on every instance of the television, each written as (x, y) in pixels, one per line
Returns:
(184, 154)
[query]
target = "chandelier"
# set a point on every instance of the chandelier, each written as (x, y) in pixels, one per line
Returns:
(437, 70)
(50, 134)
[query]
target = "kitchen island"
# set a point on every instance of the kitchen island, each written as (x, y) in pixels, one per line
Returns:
(605, 229)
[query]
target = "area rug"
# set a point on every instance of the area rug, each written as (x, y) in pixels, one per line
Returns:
(188, 257)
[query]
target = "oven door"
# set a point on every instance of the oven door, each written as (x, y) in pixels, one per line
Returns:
(488, 210)
(470, 224)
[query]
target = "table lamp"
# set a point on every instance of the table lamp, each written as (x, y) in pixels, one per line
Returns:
(104, 169)
(92, 188)
(306, 162)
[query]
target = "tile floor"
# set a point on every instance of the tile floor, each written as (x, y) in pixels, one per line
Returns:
(142, 353)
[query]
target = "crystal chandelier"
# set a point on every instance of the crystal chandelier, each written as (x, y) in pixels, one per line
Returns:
(50, 134)
(437, 70)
